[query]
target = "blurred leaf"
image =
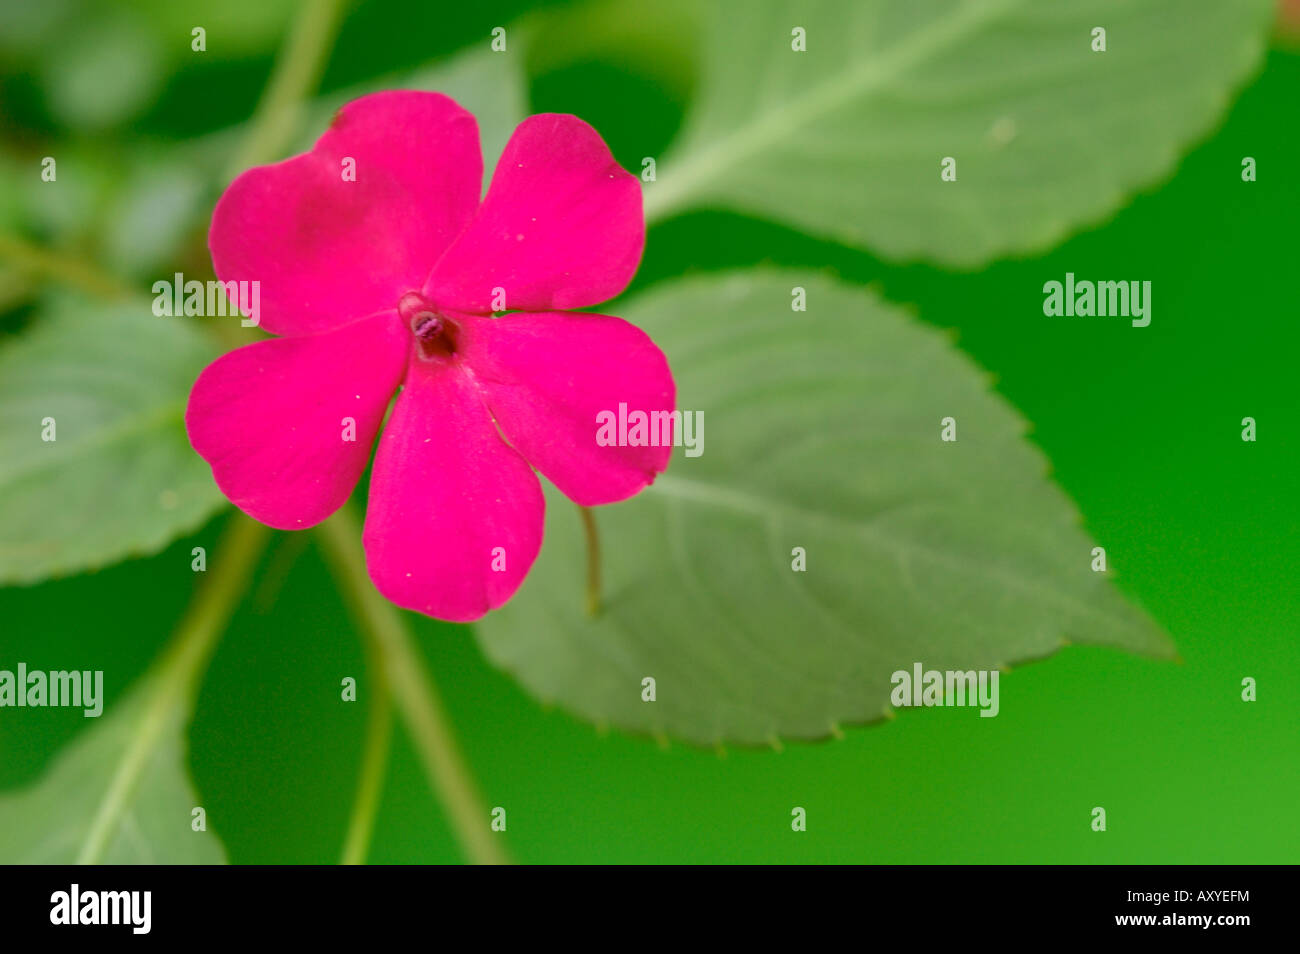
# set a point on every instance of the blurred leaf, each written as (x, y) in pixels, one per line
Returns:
(822, 433)
(104, 69)
(50, 821)
(120, 478)
(66, 209)
(846, 139)
(151, 217)
(24, 26)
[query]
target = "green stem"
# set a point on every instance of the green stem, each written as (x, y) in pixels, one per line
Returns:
(170, 684)
(47, 263)
(297, 71)
(413, 690)
(593, 560)
(379, 734)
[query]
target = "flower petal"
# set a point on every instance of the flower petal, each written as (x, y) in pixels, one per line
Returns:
(561, 226)
(271, 418)
(548, 376)
(455, 515)
(327, 248)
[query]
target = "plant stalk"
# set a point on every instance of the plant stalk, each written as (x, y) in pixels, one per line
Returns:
(170, 683)
(413, 690)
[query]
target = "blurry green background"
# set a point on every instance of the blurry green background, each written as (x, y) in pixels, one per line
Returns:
(1142, 427)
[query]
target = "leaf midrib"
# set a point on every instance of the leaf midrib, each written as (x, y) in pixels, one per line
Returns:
(745, 140)
(764, 508)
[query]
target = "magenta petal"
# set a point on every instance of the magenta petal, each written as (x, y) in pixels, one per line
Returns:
(455, 515)
(327, 250)
(272, 418)
(561, 226)
(547, 377)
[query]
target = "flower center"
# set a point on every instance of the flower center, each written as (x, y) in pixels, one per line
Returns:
(434, 333)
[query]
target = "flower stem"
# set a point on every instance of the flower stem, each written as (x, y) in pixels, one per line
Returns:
(169, 686)
(47, 263)
(413, 690)
(379, 734)
(297, 70)
(593, 560)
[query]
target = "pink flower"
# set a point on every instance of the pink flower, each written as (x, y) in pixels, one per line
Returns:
(388, 279)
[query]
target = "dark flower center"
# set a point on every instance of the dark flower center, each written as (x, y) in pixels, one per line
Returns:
(434, 333)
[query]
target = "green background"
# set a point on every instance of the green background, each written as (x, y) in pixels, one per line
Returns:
(1143, 429)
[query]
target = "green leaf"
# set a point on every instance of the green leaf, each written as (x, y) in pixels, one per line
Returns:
(124, 781)
(846, 139)
(152, 215)
(119, 479)
(823, 432)
(105, 68)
